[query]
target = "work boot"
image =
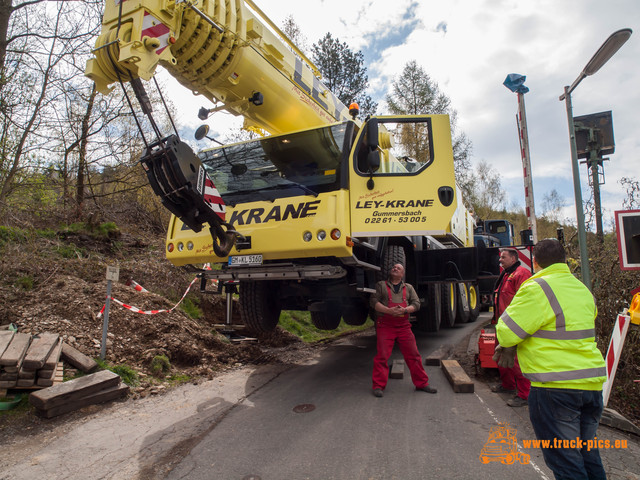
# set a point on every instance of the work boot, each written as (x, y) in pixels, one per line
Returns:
(517, 402)
(498, 388)
(377, 392)
(428, 389)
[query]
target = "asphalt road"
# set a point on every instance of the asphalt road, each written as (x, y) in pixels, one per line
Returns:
(350, 434)
(244, 425)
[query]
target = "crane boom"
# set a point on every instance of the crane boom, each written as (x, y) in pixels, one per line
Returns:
(219, 49)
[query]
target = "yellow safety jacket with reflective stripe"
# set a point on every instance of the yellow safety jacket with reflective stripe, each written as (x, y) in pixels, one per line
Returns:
(552, 321)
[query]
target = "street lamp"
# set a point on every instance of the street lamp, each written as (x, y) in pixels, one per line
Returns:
(604, 53)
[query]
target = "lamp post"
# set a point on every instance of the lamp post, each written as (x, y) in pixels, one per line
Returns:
(604, 53)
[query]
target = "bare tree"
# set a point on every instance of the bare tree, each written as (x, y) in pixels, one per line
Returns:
(632, 189)
(552, 205)
(42, 45)
(414, 93)
(486, 192)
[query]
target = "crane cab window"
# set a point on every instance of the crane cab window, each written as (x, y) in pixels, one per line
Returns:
(405, 147)
(296, 164)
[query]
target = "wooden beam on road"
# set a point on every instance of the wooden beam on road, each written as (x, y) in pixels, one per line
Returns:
(397, 369)
(457, 377)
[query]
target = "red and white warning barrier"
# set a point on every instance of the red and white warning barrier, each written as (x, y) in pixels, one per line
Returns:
(613, 353)
(214, 281)
(148, 312)
(137, 286)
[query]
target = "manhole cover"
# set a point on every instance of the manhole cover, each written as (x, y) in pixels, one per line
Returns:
(304, 408)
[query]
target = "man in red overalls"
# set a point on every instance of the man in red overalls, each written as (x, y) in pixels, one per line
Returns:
(394, 300)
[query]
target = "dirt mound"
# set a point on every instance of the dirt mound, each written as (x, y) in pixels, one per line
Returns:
(44, 293)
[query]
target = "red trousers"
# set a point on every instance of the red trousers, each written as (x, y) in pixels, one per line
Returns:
(388, 332)
(512, 379)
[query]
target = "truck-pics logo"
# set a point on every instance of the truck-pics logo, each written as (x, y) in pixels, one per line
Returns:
(276, 214)
(502, 446)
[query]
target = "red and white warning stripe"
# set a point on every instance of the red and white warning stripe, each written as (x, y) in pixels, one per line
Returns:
(213, 198)
(148, 312)
(613, 353)
(524, 255)
(154, 28)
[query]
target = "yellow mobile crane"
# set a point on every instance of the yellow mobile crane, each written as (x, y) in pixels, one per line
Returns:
(310, 216)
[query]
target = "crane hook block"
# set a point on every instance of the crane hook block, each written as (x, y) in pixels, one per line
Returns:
(179, 178)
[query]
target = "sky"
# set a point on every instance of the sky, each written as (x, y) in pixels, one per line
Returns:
(468, 47)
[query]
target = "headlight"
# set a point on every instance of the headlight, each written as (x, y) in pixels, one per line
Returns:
(180, 247)
(336, 234)
(321, 235)
(189, 245)
(307, 236)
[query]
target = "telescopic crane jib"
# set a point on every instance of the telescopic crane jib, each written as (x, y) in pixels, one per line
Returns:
(223, 51)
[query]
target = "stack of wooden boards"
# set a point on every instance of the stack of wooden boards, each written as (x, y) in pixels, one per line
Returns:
(28, 361)
(35, 362)
(80, 392)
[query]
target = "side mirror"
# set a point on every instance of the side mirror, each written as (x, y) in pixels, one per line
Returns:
(372, 134)
(373, 161)
(201, 132)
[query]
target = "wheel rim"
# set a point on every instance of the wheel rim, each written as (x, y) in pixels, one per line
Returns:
(473, 297)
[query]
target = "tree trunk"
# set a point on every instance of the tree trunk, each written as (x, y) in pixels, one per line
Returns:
(82, 153)
(6, 9)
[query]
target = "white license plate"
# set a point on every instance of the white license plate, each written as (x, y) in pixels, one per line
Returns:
(245, 260)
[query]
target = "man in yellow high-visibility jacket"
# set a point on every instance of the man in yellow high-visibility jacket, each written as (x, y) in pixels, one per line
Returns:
(551, 320)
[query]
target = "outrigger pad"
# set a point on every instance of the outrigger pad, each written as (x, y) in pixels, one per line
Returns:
(178, 177)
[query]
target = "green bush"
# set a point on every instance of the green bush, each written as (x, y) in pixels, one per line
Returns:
(46, 233)
(160, 365)
(26, 282)
(179, 379)
(108, 230)
(9, 234)
(191, 308)
(71, 251)
(126, 373)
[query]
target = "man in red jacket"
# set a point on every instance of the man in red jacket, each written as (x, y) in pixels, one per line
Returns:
(511, 277)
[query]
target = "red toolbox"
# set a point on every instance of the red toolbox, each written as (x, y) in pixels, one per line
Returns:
(486, 349)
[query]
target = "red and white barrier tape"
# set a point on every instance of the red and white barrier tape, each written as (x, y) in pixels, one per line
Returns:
(137, 286)
(148, 312)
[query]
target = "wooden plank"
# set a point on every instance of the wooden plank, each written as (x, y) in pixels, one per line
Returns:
(442, 353)
(72, 390)
(77, 359)
(7, 383)
(5, 340)
(8, 369)
(52, 377)
(25, 382)
(15, 352)
(54, 357)
(39, 350)
(397, 369)
(457, 377)
(101, 396)
(22, 373)
(5, 376)
(45, 373)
